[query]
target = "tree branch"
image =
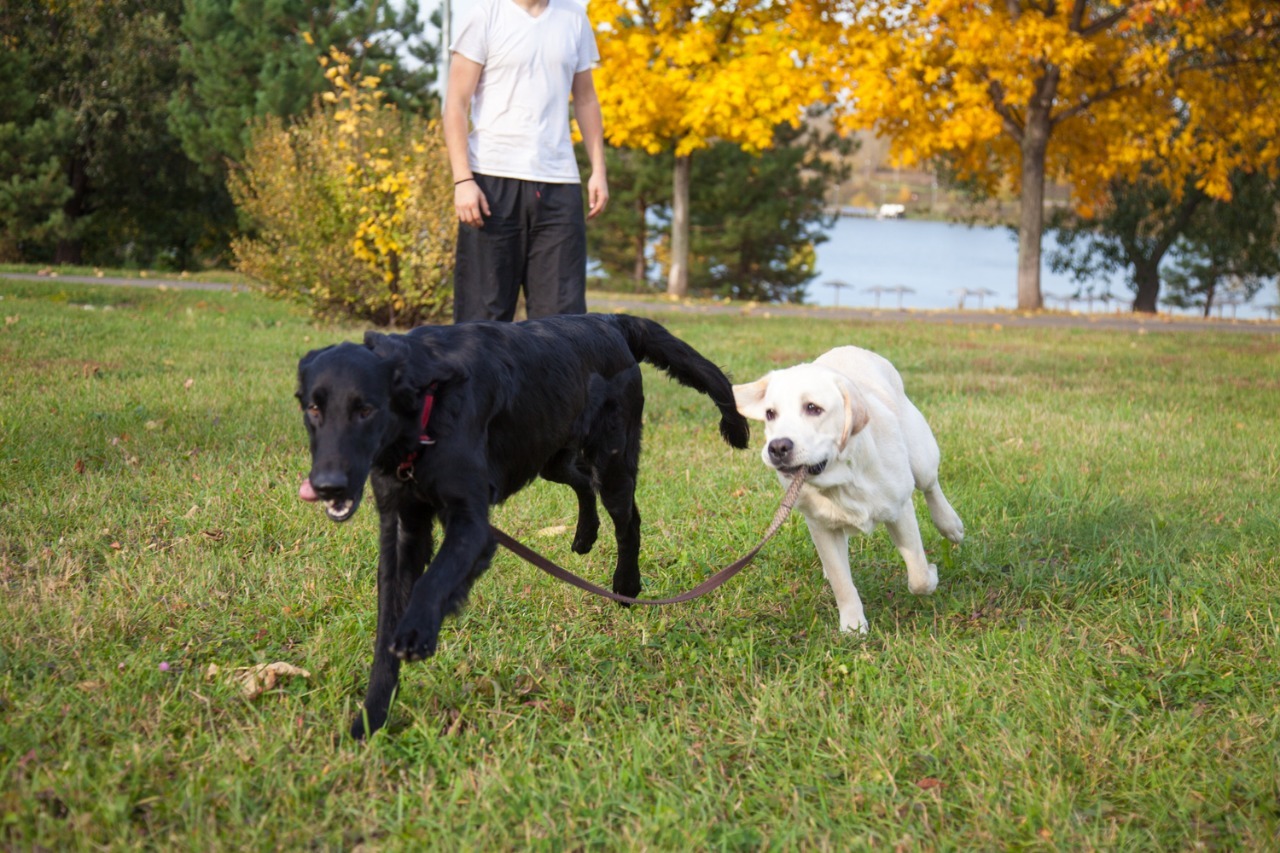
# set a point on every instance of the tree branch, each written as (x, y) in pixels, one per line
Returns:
(1088, 102)
(1102, 24)
(1008, 116)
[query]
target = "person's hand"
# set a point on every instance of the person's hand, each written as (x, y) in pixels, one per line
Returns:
(470, 203)
(597, 194)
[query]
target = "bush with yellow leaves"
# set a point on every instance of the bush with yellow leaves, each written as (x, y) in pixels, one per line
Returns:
(350, 209)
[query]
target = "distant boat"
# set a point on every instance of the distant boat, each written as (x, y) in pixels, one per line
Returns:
(892, 211)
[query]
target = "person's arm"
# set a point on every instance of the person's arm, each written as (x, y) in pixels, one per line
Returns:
(468, 199)
(586, 108)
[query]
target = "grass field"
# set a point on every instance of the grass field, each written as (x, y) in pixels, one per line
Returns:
(1098, 668)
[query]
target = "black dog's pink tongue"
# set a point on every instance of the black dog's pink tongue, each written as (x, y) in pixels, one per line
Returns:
(306, 492)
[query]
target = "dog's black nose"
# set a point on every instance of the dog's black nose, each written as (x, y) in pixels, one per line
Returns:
(329, 484)
(780, 449)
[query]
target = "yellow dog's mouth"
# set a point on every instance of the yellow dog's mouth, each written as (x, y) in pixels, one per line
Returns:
(811, 470)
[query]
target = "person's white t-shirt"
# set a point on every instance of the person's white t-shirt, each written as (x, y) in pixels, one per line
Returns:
(520, 112)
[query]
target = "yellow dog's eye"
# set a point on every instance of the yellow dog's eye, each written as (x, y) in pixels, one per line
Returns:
(813, 409)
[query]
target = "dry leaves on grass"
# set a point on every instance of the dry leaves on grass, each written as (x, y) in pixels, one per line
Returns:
(258, 679)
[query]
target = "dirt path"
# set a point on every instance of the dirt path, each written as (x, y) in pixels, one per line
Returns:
(1043, 319)
(609, 302)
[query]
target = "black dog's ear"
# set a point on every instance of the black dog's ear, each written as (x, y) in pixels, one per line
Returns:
(414, 367)
(396, 351)
(385, 346)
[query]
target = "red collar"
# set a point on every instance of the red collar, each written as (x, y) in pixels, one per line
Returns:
(405, 469)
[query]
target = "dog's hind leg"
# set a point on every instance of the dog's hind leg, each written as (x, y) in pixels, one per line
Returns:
(925, 459)
(944, 517)
(564, 468)
(405, 541)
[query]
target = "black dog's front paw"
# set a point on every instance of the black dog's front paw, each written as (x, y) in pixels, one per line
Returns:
(414, 643)
(366, 724)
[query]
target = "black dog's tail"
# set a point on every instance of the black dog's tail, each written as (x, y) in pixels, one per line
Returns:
(650, 342)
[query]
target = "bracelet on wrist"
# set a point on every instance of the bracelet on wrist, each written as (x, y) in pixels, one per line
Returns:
(463, 181)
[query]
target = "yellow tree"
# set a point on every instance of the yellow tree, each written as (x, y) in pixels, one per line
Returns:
(1082, 91)
(680, 75)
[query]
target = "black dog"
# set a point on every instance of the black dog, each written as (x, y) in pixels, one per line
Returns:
(449, 420)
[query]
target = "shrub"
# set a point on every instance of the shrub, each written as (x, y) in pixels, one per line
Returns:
(350, 209)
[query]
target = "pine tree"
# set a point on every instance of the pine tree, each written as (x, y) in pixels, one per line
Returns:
(90, 171)
(245, 59)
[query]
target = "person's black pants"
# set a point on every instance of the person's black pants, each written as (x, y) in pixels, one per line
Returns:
(535, 240)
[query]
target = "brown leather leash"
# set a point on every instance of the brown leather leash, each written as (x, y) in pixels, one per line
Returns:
(716, 580)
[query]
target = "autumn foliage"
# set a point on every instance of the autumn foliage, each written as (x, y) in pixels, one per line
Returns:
(350, 209)
(1082, 92)
(682, 75)
(1182, 83)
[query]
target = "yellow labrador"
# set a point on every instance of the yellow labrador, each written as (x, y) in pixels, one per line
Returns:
(846, 420)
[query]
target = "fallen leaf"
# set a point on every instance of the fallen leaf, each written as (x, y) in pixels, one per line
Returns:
(188, 384)
(259, 678)
(554, 530)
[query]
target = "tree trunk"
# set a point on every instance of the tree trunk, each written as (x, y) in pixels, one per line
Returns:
(1146, 277)
(69, 249)
(642, 237)
(678, 277)
(1035, 144)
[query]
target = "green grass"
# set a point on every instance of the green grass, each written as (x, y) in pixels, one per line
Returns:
(1098, 668)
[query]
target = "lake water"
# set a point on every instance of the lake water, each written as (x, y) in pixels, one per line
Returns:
(936, 260)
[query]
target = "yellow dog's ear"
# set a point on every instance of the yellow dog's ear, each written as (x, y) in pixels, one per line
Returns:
(749, 398)
(855, 410)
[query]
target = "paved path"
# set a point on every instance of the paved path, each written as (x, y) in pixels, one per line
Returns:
(183, 284)
(1044, 319)
(620, 302)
